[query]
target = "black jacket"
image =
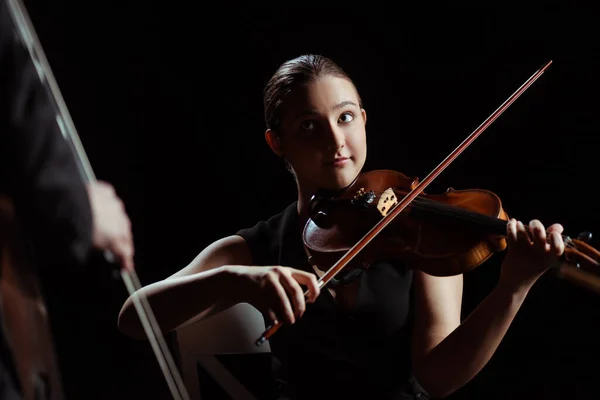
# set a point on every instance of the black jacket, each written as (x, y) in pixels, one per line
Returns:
(37, 168)
(38, 172)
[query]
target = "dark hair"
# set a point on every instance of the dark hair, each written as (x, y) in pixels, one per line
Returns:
(290, 74)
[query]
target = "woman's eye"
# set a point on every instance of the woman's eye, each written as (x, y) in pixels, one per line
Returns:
(346, 117)
(308, 125)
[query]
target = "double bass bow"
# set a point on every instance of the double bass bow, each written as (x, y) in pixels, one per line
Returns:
(33, 350)
(386, 213)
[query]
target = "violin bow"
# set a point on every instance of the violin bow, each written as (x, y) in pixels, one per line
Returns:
(31, 41)
(401, 205)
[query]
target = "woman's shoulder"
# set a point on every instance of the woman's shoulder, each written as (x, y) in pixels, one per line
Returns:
(269, 226)
(264, 238)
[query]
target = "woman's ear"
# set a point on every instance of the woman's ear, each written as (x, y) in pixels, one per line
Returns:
(364, 115)
(274, 142)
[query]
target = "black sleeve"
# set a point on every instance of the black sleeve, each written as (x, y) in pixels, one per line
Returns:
(256, 236)
(37, 168)
(264, 239)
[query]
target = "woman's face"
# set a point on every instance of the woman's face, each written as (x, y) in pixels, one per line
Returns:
(322, 133)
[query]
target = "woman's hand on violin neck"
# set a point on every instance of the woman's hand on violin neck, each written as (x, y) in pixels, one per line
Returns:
(275, 290)
(530, 254)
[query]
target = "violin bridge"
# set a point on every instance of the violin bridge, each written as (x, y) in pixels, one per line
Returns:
(386, 202)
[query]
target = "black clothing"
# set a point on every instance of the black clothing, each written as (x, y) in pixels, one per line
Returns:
(332, 353)
(37, 168)
(39, 174)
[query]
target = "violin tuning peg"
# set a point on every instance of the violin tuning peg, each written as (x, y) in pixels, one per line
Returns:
(585, 237)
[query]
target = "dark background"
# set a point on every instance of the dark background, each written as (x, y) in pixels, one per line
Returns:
(167, 99)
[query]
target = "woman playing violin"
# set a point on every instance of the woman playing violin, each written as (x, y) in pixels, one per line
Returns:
(388, 332)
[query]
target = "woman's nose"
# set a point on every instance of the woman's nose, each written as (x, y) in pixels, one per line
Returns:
(336, 137)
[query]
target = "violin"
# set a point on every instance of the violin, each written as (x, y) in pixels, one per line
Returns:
(442, 235)
(385, 213)
(23, 305)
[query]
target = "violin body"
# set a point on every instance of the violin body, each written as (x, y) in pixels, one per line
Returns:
(442, 235)
(24, 313)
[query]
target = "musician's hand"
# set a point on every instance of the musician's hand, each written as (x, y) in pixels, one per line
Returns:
(276, 290)
(529, 255)
(112, 227)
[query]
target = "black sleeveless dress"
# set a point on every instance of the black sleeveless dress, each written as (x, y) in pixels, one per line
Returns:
(332, 353)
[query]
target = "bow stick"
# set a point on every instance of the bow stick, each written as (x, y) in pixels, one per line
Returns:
(30, 40)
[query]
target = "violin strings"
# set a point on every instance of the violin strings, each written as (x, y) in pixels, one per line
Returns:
(154, 335)
(30, 40)
(498, 224)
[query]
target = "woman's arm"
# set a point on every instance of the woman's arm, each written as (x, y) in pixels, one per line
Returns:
(199, 288)
(218, 278)
(448, 354)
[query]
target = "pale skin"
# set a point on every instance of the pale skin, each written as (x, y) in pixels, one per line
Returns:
(322, 123)
(111, 225)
